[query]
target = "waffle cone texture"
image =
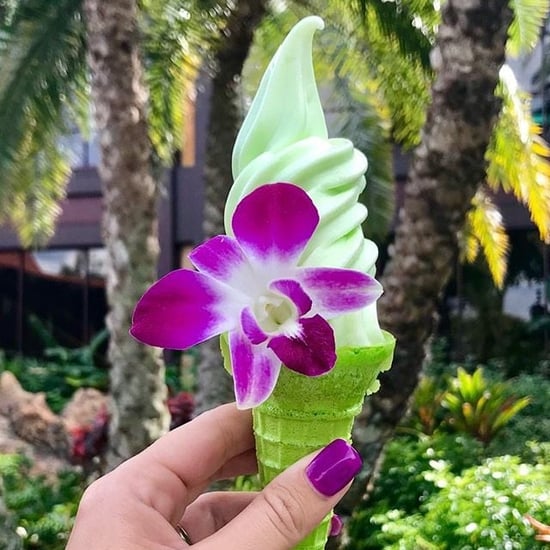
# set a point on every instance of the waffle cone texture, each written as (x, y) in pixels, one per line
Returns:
(304, 414)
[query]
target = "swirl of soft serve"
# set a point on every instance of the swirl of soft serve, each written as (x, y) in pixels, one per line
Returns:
(284, 138)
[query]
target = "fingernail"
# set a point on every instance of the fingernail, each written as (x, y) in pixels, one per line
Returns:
(333, 468)
(335, 526)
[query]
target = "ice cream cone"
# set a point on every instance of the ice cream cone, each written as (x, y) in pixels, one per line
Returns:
(304, 414)
(284, 138)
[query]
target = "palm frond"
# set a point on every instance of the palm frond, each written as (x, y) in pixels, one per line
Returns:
(40, 52)
(42, 58)
(524, 32)
(39, 187)
(397, 80)
(485, 232)
(518, 156)
(171, 48)
(410, 24)
(469, 245)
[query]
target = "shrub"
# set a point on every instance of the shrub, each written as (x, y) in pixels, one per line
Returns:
(60, 373)
(481, 509)
(42, 511)
(404, 483)
(479, 407)
(426, 411)
(531, 423)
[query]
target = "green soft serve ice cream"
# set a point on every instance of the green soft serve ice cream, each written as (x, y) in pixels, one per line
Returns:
(284, 138)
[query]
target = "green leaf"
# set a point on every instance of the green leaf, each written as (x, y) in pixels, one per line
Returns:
(171, 56)
(485, 226)
(518, 156)
(510, 411)
(524, 32)
(42, 57)
(411, 25)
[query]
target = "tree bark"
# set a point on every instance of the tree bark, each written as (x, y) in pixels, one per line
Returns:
(215, 386)
(138, 415)
(447, 169)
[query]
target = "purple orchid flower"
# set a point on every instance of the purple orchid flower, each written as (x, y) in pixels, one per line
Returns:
(251, 286)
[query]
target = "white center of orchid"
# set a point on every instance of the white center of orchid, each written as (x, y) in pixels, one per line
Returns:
(275, 313)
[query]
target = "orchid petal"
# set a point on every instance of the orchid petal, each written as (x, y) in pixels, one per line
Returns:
(222, 258)
(255, 371)
(251, 328)
(292, 290)
(311, 353)
(275, 222)
(183, 309)
(336, 291)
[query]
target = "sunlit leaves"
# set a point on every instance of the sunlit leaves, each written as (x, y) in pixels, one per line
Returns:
(44, 88)
(410, 24)
(170, 38)
(524, 32)
(479, 407)
(389, 64)
(42, 56)
(38, 185)
(518, 156)
(485, 231)
(398, 79)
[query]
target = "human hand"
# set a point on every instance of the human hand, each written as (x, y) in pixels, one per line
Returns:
(138, 505)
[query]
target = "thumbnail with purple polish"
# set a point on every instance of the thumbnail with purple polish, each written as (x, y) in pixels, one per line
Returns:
(333, 468)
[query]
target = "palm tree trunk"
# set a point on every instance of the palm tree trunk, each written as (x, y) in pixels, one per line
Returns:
(130, 192)
(447, 169)
(215, 386)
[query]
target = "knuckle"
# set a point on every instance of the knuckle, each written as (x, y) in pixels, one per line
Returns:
(286, 512)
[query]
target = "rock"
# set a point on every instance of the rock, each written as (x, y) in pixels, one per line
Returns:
(84, 407)
(29, 427)
(30, 417)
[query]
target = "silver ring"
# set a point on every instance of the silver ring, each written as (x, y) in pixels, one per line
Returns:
(183, 534)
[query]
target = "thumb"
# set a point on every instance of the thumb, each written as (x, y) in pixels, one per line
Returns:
(294, 503)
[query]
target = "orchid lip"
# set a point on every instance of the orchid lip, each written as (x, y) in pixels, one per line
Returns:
(274, 312)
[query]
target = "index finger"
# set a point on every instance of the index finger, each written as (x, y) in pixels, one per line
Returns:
(173, 471)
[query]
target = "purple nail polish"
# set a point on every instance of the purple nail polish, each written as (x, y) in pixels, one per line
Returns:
(335, 526)
(334, 467)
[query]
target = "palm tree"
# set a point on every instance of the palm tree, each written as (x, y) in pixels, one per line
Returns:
(44, 48)
(130, 221)
(447, 172)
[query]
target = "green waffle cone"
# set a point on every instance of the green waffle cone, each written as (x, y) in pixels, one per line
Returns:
(304, 414)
